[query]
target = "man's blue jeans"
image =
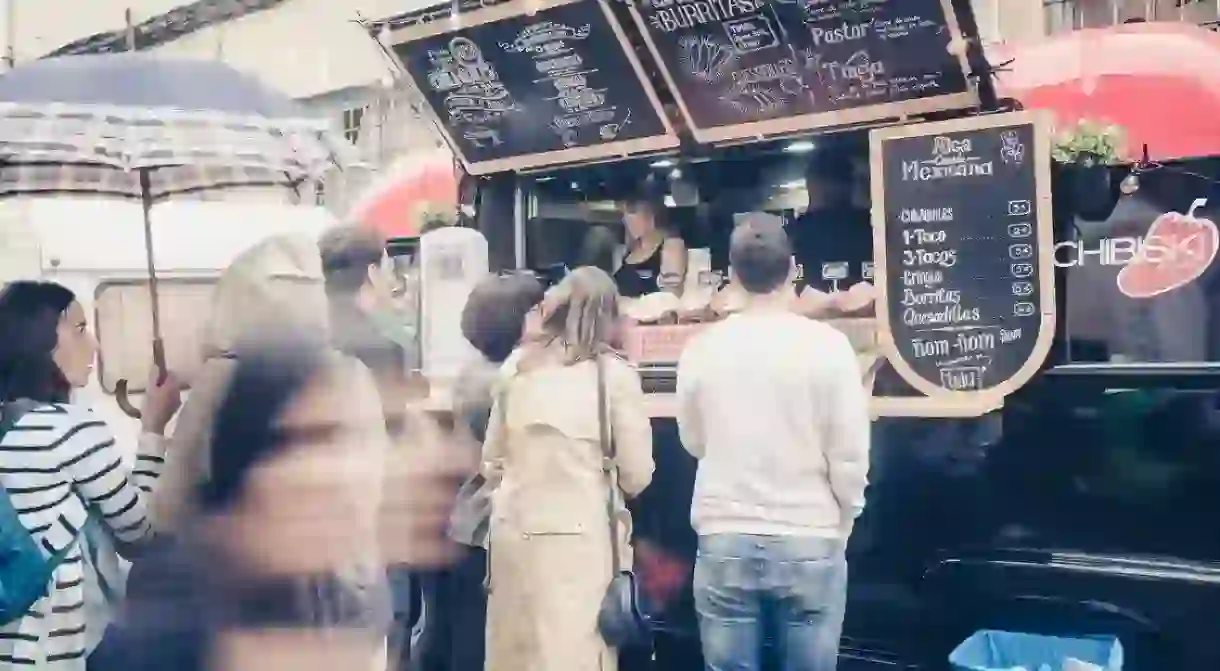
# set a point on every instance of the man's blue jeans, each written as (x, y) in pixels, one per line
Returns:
(790, 591)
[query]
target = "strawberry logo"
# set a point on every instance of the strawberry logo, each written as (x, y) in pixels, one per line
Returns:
(1176, 251)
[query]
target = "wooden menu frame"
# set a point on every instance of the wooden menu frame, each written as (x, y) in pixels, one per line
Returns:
(938, 398)
(512, 9)
(836, 118)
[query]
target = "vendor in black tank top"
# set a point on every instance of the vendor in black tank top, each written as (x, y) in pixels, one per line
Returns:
(654, 258)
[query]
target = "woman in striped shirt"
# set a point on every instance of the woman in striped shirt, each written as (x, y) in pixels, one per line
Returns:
(59, 463)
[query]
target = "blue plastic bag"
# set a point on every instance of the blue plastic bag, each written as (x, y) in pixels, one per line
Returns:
(1006, 650)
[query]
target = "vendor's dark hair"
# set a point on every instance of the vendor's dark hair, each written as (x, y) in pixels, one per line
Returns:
(760, 252)
(650, 194)
(246, 428)
(830, 168)
(494, 317)
(347, 254)
(30, 313)
(598, 247)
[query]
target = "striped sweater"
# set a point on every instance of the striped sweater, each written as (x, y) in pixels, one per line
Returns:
(56, 462)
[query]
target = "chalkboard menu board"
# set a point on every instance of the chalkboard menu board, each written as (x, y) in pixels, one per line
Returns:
(963, 240)
(524, 83)
(742, 68)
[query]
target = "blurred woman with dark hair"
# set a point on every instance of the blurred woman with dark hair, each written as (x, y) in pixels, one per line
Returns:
(241, 571)
(62, 466)
(259, 584)
(275, 290)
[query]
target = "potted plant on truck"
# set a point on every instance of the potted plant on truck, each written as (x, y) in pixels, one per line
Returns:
(1084, 154)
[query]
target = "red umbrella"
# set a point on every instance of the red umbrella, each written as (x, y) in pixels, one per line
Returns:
(1159, 81)
(421, 185)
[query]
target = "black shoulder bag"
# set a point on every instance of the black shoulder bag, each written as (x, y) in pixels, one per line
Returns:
(621, 621)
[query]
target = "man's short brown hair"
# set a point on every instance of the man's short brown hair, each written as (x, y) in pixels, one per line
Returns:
(347, 254)
(760, 252)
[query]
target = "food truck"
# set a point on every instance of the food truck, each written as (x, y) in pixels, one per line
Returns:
(1024, 477)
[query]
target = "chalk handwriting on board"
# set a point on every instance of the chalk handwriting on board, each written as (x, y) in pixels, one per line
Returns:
(965, 296)
(951, 158)
(705, 58)
(765, 88)
(515, 85)
(550, 45)
(546, 39)
(1012, 151)
(752, 33)
(475, 97)
(671, 15)
(740, 61)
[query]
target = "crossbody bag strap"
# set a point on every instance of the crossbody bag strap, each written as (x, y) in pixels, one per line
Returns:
(608, 464)
(501, 410)
(11, 413)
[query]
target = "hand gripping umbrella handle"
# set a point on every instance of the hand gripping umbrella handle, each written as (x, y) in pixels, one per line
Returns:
(121, 387)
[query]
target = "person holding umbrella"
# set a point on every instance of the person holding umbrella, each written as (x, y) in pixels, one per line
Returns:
(145, 127)
(62, 468)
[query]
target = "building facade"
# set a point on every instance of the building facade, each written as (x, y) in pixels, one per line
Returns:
(1021, 20)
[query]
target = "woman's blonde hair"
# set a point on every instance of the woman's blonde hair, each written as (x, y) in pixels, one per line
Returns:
(581, 313)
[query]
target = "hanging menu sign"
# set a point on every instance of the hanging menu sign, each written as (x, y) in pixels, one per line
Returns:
(743, 68)
(528, 83)
(963, 240)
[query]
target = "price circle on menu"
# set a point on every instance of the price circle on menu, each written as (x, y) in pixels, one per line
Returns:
(963, 240)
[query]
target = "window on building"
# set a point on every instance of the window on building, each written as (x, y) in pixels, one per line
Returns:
(352, 118)
(1059, 15)
(1194, 11)
(1064, 15)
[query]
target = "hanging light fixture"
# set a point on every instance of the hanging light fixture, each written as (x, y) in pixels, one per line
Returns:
(1130, 184)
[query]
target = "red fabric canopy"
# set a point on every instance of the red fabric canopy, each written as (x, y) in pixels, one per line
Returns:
(416, 186)
(1160, 81)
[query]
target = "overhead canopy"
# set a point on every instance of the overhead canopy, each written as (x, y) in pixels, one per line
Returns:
(1158, 81)
(411, 190)
(527, 83)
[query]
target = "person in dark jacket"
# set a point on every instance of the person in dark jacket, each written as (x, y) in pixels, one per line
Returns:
(361, 289)
(494, 321)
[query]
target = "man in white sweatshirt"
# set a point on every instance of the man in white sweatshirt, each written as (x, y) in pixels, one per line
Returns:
(772, 405)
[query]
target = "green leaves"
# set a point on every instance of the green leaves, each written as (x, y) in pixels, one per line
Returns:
(1089, 142)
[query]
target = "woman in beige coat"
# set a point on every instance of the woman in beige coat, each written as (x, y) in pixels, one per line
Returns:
(549, 558)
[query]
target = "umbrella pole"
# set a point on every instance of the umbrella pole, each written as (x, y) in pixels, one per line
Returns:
(158, 343)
